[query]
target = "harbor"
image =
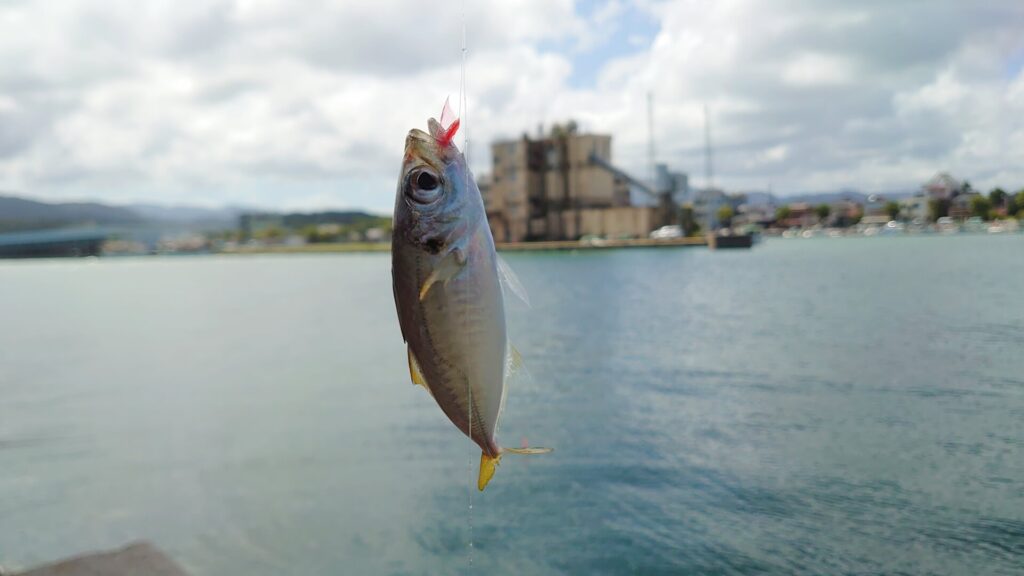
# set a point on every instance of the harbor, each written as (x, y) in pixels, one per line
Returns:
(254, 415)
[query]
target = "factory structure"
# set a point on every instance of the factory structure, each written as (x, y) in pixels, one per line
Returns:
(564, 186)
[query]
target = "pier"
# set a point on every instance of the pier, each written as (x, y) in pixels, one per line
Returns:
(597, 244)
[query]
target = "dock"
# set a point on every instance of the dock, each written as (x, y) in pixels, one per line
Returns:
(548, 245)
(712, 241)
(716, 242)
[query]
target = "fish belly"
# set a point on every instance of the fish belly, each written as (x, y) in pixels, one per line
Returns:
(461, 349)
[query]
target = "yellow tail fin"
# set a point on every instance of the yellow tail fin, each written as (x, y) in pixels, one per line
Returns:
(488, 465)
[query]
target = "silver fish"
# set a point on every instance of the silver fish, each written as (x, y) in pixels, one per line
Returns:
(445, 274)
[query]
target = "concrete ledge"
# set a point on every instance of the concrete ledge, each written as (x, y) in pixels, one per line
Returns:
(137, 559)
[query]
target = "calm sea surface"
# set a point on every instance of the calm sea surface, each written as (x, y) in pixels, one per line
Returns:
(811, 406)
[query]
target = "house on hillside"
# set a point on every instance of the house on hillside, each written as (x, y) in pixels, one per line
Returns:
(844, 213)
(754, 214)
(875, 206)
(942, 186)
(960, 205)
(914, 209)
(801, 215)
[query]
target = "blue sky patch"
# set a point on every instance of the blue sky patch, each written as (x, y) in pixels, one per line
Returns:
(630, 31)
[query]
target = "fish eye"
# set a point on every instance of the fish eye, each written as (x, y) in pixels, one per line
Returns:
(424, 186)
(426, 181)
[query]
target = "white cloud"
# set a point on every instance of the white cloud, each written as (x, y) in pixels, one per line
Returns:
(812, 69)
(259, 102)
(775, 153)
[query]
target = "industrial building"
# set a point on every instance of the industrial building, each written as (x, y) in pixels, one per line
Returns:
(563, 186)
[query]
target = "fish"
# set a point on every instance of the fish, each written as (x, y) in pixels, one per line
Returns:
(447, 279)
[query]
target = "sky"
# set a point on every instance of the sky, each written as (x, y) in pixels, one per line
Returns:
(304, 106)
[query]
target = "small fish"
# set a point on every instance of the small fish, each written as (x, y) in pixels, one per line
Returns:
(445, 274)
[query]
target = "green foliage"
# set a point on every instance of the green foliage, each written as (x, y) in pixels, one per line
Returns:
(783, 213)
(270, 233)
(1015, 203)
(892, 209)
(998, 197)
(229, 235)
(725, 214)
(688, 221)
(823, 210)
(312, 234)
(335, 232)
(980, 206)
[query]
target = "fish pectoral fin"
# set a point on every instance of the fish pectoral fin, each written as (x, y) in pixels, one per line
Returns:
(529, 450)
(511, 282)
(487, 467)
(452, 263)
(415, 373)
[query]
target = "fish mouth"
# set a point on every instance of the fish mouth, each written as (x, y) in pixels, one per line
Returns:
(417, 135)
(421, 149)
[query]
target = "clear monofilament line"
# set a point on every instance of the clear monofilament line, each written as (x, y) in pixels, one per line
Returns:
(463, 107)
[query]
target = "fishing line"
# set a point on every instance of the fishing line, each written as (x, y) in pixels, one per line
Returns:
(463, 109)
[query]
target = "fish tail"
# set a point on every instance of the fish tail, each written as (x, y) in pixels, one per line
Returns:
(489, 464)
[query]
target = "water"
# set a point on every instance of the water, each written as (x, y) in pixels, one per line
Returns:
(819, 406)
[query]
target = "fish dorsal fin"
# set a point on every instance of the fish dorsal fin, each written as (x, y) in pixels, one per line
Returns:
(511, 282)
(415, 373)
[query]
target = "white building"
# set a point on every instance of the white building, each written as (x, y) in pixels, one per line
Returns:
(914, 208)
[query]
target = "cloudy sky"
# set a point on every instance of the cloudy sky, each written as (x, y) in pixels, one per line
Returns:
(305, 105)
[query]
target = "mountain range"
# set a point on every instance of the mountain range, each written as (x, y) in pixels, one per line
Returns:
(21, 214)
(18, 213)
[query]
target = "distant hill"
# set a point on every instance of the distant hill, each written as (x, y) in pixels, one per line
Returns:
(22, 214)
(849, 195)
(188, 214)
(760, 198)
